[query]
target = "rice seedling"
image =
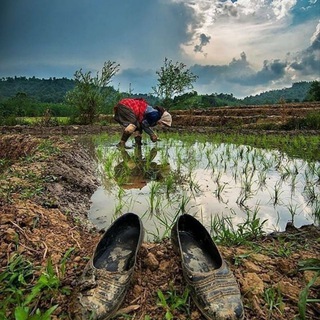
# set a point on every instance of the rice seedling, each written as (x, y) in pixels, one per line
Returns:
(154, 190)
(262, 177)
(310, 192)
(316, 211)
(185, 199)
(316, 172)
(225, 232)
(169, 183)
(276, 195)
(219, 190)
(108, 160)
(252, 227)
(193, 185)
(242, 198)
(247, 182)
(285, 172)
(166, 223)
(293, 210)
(120, 205)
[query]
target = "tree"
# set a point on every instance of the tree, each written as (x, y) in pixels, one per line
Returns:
(173, 79)
(314, 91)
(89, 92)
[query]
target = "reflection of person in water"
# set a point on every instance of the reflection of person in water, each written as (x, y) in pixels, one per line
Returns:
(135, 170)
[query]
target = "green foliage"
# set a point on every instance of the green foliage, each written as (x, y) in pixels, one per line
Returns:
(21, 97)
(88, 95)
(47, 148)
(304, 146)
(24, 313)
(225, 233)
(274, 300)
(50, 90)
(172, 301)
(311, 265)
(314, 92)
(297, 93)
(311, 122)
(20, 291)
(14, 109)
(173, 79)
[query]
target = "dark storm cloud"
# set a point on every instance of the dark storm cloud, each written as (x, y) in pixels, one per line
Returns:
(270, 71)
(79, 32)
(204, 40)
(307, 65)
(237, 69)
(238, 77)
(307, 62)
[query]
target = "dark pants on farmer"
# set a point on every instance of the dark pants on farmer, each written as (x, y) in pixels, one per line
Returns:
(125, 116)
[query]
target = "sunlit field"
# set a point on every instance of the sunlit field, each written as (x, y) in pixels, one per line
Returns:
(225, 182)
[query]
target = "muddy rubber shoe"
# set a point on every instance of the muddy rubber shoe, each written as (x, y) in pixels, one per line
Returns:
(107, 275)
(212, 285)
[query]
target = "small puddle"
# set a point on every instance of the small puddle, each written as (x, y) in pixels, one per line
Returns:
(205, 179)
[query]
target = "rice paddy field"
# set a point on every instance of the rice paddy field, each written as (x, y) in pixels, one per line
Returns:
(240, 185)
(231, 183)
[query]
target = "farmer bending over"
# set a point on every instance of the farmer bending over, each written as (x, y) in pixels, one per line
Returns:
(135, 115)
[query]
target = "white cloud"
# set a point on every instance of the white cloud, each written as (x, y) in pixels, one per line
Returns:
(281, 8)
(262, 30)
(57, 38)
(315, 36)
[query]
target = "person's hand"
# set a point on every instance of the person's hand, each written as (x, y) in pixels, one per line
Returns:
(154, 138)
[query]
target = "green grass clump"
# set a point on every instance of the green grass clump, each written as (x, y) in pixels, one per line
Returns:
(308, 265)
(171, 301)
(22, 290)
(226, 233)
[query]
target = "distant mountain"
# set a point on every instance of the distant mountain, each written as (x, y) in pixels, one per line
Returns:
(298, 92)
(53, 90)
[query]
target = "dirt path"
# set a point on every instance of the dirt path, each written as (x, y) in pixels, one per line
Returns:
(45, 190)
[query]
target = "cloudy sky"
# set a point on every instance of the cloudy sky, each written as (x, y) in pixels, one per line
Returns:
(241, 47)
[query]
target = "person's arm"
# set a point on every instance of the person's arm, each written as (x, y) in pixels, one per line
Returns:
(146, 128)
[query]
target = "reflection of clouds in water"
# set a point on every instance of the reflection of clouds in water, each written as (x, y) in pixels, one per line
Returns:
(224, 175)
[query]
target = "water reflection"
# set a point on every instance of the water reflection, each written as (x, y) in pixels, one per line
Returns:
(207, 180)
(136, 170)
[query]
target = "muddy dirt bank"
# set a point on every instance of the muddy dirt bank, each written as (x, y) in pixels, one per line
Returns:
(46, 185)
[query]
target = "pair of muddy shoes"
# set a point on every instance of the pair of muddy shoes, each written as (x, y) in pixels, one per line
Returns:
(107, 275)
(212, 285)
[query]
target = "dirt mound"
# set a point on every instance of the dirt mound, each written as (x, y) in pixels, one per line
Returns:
(14, 147)
(244, 116)
(45, 190)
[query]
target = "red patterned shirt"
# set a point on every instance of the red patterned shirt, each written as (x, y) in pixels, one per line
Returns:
(138, 106)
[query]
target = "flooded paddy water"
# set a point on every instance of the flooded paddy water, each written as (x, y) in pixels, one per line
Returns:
(219, 183)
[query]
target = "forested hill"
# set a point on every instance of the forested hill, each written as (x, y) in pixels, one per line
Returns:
(298, 92)
(43, 90)
(53, 90)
